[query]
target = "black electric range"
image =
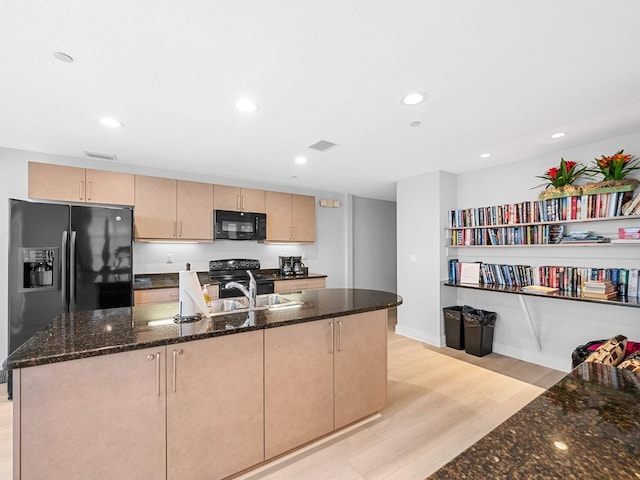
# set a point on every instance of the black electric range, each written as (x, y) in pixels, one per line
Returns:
(235, 270)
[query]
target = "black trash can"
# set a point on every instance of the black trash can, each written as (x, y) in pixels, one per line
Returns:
(478, 332)
(453, 326)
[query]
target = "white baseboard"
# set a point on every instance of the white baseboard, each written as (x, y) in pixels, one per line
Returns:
(419, 335)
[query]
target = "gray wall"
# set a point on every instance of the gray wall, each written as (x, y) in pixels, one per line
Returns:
(374, 244)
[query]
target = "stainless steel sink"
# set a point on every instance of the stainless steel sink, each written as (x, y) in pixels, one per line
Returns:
(271, 300)
(241, 304)
(227, 305)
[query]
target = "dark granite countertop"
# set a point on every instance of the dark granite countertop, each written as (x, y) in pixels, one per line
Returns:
(100, 332)
(146, 281)
(594, 412)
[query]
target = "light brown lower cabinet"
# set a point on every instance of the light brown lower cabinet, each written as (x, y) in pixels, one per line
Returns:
(321, 376)
(201, 409)
(215, 420)
(360, 366)
(98, 417)
(284, 286)
(298, 383)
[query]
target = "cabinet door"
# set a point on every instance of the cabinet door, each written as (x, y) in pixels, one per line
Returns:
(98, 417)
(195, 210)
(253, 200)
(226, 198)
(155, 207)
(303, 218)
(215, 420)
(298, 385)
(109, 187)
(278, 216)
(360, 366)
(56, 182)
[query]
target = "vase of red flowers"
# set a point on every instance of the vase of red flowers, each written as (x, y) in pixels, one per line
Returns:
(559, 179)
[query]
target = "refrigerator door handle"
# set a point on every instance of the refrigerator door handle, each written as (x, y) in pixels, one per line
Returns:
(63, 269)
(72, 272)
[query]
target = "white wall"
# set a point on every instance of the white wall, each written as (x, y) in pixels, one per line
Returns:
(421, 205)
(328, 255)
(561, 324)
(374, 244)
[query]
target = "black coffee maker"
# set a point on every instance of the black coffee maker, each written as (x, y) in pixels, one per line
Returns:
(286, 265)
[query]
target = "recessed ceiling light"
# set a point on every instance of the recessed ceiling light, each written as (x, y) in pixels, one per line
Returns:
(414, 98)
(111, 122)
(415, 124)
(63, 57)
(558, 135)
(485, 155)
(246, 105)
(300, 160)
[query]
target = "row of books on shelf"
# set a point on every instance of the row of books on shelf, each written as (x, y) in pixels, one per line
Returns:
(560, 278)
(600, 205)
(524, 235)
(542, 234)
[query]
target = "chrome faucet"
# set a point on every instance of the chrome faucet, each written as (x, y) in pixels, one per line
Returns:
(251, 293)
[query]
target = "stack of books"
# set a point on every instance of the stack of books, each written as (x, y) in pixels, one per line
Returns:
(604, 290)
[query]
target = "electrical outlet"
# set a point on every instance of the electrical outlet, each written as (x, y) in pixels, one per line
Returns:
(169, 258)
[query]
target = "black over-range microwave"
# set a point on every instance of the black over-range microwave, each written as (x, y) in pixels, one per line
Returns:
(230, 225)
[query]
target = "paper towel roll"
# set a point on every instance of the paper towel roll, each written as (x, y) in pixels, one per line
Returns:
(191, 298)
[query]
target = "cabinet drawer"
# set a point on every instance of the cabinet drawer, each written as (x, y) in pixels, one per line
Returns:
(156, 295)
(281, 286)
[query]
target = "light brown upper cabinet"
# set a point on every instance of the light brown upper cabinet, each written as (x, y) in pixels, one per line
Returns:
(290, 217)
(73, 184)
(238, 199)
(173, 209)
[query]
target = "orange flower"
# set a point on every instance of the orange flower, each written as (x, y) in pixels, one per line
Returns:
(614, 167)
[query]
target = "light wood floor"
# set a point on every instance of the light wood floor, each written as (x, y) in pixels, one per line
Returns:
(440, 401)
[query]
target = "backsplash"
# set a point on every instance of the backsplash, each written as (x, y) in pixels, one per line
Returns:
(152, 257)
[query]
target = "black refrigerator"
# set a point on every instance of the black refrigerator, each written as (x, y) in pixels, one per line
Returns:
(65, 258)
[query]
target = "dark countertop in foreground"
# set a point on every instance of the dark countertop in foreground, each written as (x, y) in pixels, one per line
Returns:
(146, 281)
(100, 332)
(594, 411)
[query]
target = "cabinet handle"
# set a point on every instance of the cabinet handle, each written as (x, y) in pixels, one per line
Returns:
(180, 231)
(175, 362)
(238, 204)
(331, 339)
(293, 233)
(339, 335)
(81, 190)
(242, 204)
(150, 357)
(89, 190)
(175, 229)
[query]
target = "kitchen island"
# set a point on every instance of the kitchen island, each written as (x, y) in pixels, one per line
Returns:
(122, 393)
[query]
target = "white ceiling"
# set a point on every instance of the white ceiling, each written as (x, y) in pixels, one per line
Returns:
(501, 76)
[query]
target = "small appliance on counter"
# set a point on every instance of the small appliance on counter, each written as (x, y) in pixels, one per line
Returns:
(292, 266)
(285, 265)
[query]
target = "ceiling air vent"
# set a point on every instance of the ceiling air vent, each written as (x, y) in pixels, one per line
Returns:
(101, 156)
(322, 145)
